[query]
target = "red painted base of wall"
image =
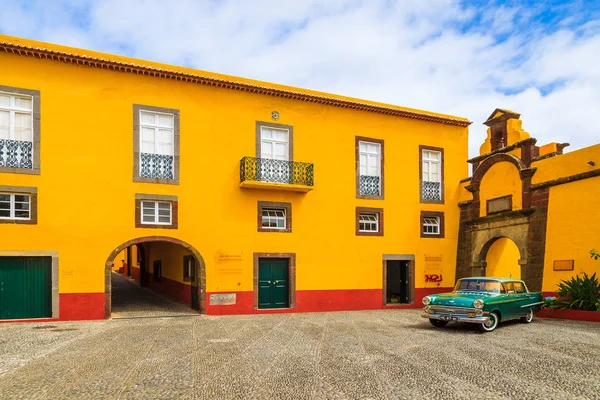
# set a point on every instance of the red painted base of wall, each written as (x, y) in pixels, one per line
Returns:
(90, 306)
(321, 300)
(177, 290)
(75, 306)
(575, 315)
(135, 274)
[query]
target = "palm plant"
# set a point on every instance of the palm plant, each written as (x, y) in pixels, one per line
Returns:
(579, 293)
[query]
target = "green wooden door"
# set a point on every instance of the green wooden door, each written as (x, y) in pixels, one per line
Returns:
(273, 283)
(25, 287)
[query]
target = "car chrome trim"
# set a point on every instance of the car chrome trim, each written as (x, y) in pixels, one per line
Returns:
(533, 304)
(456, 318)
(453, 309)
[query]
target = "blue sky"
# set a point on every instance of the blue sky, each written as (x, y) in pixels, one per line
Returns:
(539, 58)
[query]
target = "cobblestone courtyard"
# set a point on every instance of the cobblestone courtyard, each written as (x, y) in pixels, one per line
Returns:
(344, 355)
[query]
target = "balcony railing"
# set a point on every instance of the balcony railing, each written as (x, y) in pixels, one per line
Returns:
(276, 171)
(369, 185)
(431, 191)
(156, 166)
(16, 153)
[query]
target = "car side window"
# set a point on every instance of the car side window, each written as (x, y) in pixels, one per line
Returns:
(519, 287)
(509, 287)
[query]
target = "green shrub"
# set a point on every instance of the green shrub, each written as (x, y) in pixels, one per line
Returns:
(579, 293)
(595, 254)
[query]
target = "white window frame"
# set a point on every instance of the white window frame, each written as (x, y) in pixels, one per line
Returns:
(430, 161)
(370, 219)
(156, 212)
(282, 217)
(369, 154)
(273, 142)
(431, 222)
(12, 210)
(12, 109)
(156, 126)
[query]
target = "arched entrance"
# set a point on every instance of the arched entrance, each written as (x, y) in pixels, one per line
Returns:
(502, 259)
(156, 253)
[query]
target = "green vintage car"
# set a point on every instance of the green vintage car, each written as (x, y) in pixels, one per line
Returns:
(483, 301)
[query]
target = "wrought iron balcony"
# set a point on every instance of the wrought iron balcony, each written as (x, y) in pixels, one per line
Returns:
(369, 185)
(431, 191)
(265, 173)
(156, 166)
(16, 153)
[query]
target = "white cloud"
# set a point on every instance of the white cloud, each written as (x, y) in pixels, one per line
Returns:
(439, 55)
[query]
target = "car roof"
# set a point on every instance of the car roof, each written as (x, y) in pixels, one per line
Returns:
(487, 278)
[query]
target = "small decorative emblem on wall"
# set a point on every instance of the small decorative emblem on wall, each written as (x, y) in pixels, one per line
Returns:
(275, 115)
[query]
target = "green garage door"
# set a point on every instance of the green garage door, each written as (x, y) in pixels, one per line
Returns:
(25, 287)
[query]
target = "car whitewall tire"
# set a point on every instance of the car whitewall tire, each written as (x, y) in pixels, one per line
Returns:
(527, 318)
(491, 324)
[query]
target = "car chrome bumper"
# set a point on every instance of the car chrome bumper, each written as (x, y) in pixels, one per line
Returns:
(456, 318)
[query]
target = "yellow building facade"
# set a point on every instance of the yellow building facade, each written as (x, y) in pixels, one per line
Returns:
(528, 211)
(235, 196)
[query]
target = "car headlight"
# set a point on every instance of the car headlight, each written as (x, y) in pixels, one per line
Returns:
(478, 303)
(426, 300)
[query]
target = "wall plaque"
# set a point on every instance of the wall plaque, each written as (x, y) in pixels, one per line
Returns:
(223, 299)
(564, 265)
(500, 204)
(225, 257)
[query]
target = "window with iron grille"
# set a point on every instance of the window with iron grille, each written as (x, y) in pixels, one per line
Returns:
(157, 145)
(431, 174)
(273, 218)
(15, 206)
(368, 222)
(16, 131)
(156, 132)
(156, 213)
(431, 225)
(369, 168)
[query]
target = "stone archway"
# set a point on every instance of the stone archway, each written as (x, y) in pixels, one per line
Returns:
(483, 257)
(484, 234)
(200, 268)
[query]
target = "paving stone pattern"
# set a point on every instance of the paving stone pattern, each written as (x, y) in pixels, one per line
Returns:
(387, 354)
(129, 300)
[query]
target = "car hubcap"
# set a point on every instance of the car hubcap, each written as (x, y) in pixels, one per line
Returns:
(529, 316)
(490, 323)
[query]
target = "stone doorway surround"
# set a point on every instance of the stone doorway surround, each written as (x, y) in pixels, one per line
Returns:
(410, 258)
(291, 257)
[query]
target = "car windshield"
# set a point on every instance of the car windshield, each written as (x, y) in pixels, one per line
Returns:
(476, 285)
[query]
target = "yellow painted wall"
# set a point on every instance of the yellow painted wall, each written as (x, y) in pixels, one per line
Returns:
(573, 230)
(171, 257)
(463, 193)
(548, 148)
(120, 259)
(502, 179)
(503, 259)
(87, 152)
(572, 163)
